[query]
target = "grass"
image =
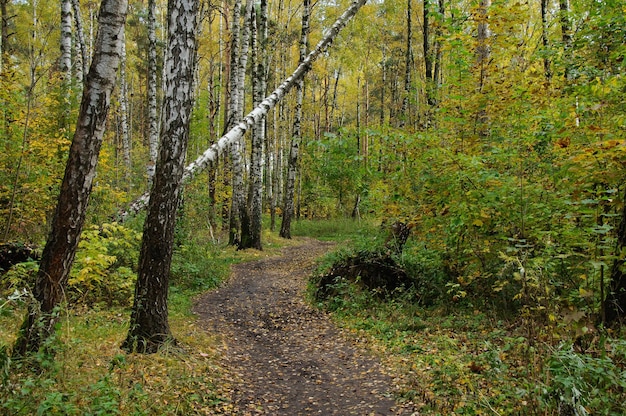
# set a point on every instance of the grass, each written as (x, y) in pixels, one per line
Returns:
(458, 358)
(447, 358)
(88, 374)
(340, 229)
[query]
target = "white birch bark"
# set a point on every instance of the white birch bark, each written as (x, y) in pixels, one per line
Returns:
(233, 115)
(83, 68)
(255, 199)
(149, 327)
(209, 155)
(65, 61)
(292, 167)
(239, 218)
(124, 131)
(153, 127)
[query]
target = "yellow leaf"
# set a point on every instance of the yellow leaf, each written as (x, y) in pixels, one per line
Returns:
(477, 223)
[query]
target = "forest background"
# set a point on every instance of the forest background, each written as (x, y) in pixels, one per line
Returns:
(495, 130)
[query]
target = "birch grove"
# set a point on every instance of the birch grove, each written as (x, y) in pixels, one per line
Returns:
(69, 216)
(237, 131)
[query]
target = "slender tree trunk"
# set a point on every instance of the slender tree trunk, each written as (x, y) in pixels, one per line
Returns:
(65, 63)
(408, 66)
(547, 70)
(292, 168)
(153, 126)
(258, 134)
(124, 130)
(566, 36)
(428, 55)
(233, 115)
(483, 55)
(58, 254)
(239, 218)
(83, 68)
(615, 303)
(438, 50)
(4, 32)
(149, 327)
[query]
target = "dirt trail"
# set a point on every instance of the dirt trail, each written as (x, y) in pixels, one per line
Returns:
(288, 358)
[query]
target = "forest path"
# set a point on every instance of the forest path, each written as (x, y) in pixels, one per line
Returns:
(286, 357)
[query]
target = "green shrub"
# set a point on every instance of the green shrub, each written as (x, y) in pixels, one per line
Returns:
(583, 384)
(103, 271)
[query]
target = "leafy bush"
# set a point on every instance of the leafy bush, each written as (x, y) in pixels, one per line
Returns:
(197, 267)
(415, 275)
(19, 277)
(104, 268)
(581, 384)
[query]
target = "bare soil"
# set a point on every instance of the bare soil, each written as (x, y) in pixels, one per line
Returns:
(285, 356)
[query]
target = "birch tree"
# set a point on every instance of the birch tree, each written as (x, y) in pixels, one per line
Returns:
(65, 61)
(123, 118)
(292, 168)
(232, 112)
(255, 198)
(209, 156)
(153, 127)
(239, 218)
(149, 326)
(83, 68)
(69, 216)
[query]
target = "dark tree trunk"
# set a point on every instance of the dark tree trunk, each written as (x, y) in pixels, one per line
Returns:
(547, 70)
(149, 327)
(58, 254)
(615, 304)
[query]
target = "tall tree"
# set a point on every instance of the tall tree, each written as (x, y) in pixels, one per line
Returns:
(255, 199)
(83, 68)
(239, 217)
(232, 113)
(483, 56)
(65, 61)
(153, 126)
(69, 216)
(124, 131)
(149, 326)
(547, 69)
(615, 304)
(566, 36)
(408, 66)
(292, 167)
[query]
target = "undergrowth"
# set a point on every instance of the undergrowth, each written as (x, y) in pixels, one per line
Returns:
(463, 356)
(82, 371)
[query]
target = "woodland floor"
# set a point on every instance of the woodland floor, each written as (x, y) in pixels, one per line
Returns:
(285, 356)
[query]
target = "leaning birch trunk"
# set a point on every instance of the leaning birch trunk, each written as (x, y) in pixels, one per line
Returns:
(209, 155)
(69, 217)
(292, 167)
(149, 326)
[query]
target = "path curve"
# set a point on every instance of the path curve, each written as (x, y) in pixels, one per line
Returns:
(288, 358)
